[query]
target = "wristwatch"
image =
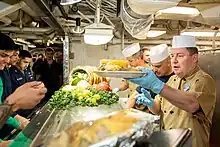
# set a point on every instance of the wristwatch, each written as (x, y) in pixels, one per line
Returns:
(5, 112)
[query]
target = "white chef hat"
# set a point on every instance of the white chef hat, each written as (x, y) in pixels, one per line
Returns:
(131, 50)
(183, 41)
(158, 53)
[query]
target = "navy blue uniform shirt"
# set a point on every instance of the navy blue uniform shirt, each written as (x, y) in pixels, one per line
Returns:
(19, 78)
(6, 79)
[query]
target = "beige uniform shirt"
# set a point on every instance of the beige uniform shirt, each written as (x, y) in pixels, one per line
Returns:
(173, 117)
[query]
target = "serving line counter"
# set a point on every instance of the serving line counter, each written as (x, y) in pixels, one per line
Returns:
(48, 123)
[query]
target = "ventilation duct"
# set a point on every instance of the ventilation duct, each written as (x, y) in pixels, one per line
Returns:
(210, 14)
(147, 7)
(136, 25)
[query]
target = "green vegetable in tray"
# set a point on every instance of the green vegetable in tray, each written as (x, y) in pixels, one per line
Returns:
(77, 77)
(71, 96)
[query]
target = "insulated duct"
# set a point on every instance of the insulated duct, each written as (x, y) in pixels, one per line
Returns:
(147, 7)
(211, 14)
(135, 24)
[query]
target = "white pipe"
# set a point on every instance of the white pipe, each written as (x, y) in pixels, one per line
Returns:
(156, 42)
(73, 25)
(109, 21)
(21, 16)
(28, 36)
(26, 29)
(213, 39)
(97, 19)
(82, 16)
(10, 9)
(122, 37)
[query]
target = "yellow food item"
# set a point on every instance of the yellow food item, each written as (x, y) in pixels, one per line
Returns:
(112, 67)
(82, 134)
(122, 63)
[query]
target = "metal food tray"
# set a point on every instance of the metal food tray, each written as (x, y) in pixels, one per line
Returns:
(59, 120)
(121, 74)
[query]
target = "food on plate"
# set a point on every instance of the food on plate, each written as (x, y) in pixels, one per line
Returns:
(96, 79)
(83, 134)
(115, 65)
(121, 63)
(71, 96)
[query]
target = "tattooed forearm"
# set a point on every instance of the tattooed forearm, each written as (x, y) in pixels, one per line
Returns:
(5, 112)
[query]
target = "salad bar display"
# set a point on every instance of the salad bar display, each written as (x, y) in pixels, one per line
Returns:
(71, 96)
(85, 89)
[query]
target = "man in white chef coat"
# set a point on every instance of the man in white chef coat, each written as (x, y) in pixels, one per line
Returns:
(188, 99)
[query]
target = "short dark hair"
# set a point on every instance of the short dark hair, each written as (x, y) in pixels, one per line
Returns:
(25, 54)
(49, 49)
(192, 50)
(6, 43)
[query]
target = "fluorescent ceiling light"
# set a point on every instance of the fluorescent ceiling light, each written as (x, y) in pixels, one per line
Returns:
(200, 34)
(181, 10)
(21, 41)
(98, 34)
(155, 33)
(69, 2)
(32, 46)
(97, 39)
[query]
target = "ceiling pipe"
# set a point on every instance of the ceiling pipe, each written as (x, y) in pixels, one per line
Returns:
(89, 17)
(11, 8)
(21, 19)
(6, 20)
(62, 10)
(26, 29)
(213, 39)
(44, 12)
(30, 11)
(28, 36)
(156, 42)
(116, 33)
(97, 13)
(84, 16)
(151, 42)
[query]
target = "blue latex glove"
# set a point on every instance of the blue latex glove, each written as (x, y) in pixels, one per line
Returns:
(149, 81)
(145, 98)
